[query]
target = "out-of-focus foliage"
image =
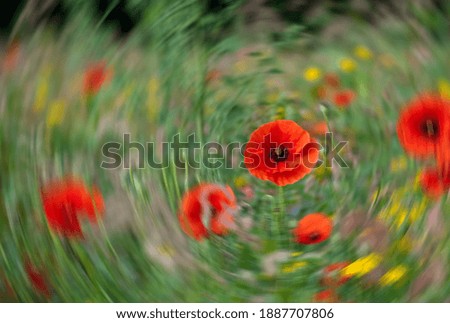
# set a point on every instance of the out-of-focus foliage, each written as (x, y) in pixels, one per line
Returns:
(65, 92)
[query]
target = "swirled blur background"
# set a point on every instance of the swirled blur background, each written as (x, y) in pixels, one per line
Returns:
(77, 74)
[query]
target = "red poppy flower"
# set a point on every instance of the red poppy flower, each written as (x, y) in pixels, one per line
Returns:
(65, 201)
(423, 127)
(280, 151)
(332, 276)
(436, 182)
(326, 296)
(207, 207)
(94, 78)
(313, 228)
(344, 98)
(443, 150)
(37, 280)
(332, 80)
(443, 154)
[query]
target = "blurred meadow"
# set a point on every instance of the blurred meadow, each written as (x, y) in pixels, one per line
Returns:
(71, 81)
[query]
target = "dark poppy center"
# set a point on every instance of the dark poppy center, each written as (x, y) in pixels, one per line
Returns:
(213, 212)
(430, 128)
(279, 154)
(314, 236)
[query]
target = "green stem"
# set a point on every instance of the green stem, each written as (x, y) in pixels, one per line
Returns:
(281, 215)
(200, 103)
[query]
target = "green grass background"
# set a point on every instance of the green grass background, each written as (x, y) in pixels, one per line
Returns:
(158, 89)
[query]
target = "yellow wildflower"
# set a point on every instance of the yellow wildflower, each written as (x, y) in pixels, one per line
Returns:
(393, 275)
(399, 164)
(374, 197)
(444, 88)
(362, 266)
(296, 253)
(290, 268)
(41, 95)
(402, 209)
(347, 65)
(287, 269)
(312, 74)
(166, 250)
(363, 52)
(404, 244)
(153, 100)
(400, 217)
(56, 112)
(240, 181)
(298, 264)
(417, 210)
(280, 114)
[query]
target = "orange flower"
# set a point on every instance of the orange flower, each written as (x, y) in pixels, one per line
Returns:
(213, 75)
(332, 80)
(65, 200)
(326, 296)
(12, 56)
(313, 228)
(207, 204)
(423, 127)
(332, 274)
(319, 128)
(320, 92)
(344, 98)
(94, 78)
(280, 151)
